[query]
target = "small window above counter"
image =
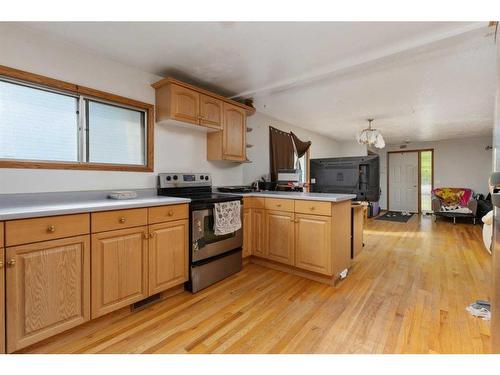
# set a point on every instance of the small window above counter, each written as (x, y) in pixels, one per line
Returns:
(224, 119)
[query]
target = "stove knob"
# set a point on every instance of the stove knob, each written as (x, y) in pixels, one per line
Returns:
(201, 177)
(206, 178)
(176, 177)
(169, 178)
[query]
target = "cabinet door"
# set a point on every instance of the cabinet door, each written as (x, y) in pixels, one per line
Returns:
(210, 112)
(49, 289)
(2, 300)
(184, 104)
(247, 232)
(119, 269)
(313, 246)
(234, 147)
(168, 255)
(258, 232)
(280, 236)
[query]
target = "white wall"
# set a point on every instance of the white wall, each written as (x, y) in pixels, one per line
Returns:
(321, 147)
(176, 149)
(457, 163)
(352, 148)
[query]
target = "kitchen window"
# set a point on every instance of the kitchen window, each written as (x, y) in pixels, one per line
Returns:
(71, 127)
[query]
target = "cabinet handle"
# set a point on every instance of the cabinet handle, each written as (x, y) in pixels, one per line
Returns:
(1, 264)
(170, 213)
(51, 228)
(296, 220)
(122, 220)
(278, 205)
(146, 236)
(151, 235)
(11, 262)
(312, 208)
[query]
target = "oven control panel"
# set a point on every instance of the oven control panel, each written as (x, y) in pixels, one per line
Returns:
(169, 180)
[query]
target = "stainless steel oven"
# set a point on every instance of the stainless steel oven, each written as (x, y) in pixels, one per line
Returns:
(204, 242)
(211, 257)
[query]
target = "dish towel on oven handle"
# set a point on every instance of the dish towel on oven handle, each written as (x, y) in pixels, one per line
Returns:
(227, 217)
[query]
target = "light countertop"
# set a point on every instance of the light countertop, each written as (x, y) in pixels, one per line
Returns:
(299, 195)
(51, 208)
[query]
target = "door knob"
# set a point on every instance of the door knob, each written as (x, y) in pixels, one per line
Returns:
(11, 262)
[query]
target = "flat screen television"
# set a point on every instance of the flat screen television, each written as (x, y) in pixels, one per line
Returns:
(358, 175)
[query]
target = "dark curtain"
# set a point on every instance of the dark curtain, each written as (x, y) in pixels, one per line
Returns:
(300, 146)
(281, 151)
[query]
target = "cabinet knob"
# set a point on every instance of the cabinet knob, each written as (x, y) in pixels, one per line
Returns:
(151, 235)
(296, 221)
(51, 228)
(146, 235)
(312, 208)
(170, 213)
(122, 220)
(11, 262)
(278, 205)
(1, 264)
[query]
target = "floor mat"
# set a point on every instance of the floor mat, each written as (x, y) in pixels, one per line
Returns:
(394, 216)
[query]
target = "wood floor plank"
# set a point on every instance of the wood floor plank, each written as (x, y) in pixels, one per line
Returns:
(406, 293)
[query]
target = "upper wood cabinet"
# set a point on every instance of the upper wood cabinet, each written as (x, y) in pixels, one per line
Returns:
(2, 298)
(234, 134)
(184, 104)
(48, 289)
(119, 269)
(280, 236)
(225, 118)
(168, 255)
(211, 114)
(313, 246)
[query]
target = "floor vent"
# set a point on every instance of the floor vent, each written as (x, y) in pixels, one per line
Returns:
(146, 302)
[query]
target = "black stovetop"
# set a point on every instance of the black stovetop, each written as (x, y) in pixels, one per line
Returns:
(198, 194)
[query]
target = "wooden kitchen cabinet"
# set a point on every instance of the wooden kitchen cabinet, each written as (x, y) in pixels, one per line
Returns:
(168, 255)
(247, 232)
(2, 298)
(119, 269)
(258, 232)
(184, 104)
(313, 246)
(48, 289)
(230, 143)
(234, 134)
(280, 231)
(211, 112)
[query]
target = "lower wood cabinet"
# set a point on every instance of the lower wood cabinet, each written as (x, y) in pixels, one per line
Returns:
(2, 300)
(313, 243)
(119, 269)
(48, 289)
(247, 232)
(258, 231)
(280, 236)
(168, 255)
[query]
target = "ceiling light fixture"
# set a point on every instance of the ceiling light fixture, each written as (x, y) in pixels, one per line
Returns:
(370, 136)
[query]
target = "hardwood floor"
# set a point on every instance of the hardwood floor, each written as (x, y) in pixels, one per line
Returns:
(406, 293)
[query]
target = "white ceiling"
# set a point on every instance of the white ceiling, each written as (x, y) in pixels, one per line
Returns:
(420, 80)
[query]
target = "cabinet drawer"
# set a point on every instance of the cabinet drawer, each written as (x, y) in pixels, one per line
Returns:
(280, 204)
(18, 232)
(313, 207)
(161, 214)
(119, 219)
(254, 202)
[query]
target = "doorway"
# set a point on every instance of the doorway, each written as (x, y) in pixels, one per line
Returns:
(410, 180)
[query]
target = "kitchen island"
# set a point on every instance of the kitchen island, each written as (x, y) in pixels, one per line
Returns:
(308, 234)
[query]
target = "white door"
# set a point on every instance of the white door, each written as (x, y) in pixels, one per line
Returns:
(403, 181)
